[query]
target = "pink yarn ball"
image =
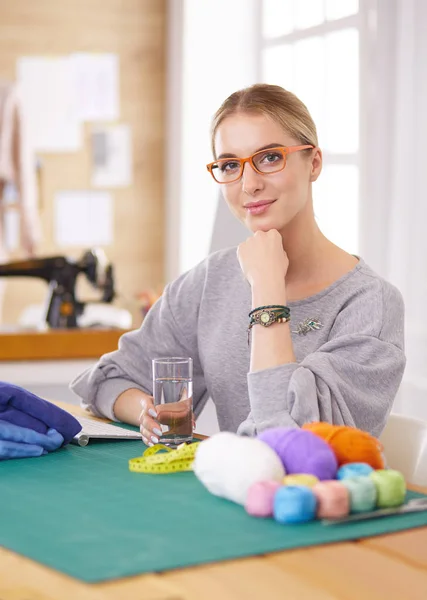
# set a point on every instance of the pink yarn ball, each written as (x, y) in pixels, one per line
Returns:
(333, 499)
(260, 498)
(302, 451)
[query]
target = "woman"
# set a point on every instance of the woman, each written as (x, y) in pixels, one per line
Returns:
(331, 350)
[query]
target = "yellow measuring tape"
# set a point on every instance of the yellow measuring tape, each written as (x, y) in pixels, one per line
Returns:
(172, 461)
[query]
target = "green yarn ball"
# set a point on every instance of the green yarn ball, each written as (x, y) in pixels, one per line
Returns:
(362, 491)
(391, 487)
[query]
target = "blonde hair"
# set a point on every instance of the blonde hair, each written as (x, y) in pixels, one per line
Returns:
(277, 103)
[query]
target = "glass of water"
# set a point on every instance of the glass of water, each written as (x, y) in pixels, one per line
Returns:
(173, 398)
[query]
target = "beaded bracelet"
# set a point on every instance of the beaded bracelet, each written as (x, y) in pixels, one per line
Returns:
(276, 307)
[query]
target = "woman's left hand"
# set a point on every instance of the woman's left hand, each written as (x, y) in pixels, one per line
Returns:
(262, 258)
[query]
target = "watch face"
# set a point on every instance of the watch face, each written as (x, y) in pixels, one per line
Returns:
(264, 317)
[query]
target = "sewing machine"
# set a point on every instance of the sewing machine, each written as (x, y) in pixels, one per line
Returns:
(63, 308)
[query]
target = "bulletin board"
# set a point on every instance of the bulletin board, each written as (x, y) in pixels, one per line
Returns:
(136, 34)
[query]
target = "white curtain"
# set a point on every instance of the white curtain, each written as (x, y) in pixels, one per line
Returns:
(393, 168)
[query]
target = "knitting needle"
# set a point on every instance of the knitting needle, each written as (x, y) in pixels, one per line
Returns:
(415, 505)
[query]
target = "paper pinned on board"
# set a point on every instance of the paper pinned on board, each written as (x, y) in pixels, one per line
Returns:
(83, 218)
(48, 104)
(96, 86)
(111, 156)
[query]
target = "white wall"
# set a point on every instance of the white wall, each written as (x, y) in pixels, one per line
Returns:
(47, 378)
(213, 52)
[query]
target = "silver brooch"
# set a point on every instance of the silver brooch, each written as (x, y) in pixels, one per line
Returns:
(308, 325)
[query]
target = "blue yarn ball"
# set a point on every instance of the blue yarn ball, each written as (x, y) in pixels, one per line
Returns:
(294, 504)
(356, 469)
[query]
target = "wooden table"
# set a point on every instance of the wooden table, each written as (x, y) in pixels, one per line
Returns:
(387, 567)
(57, 344)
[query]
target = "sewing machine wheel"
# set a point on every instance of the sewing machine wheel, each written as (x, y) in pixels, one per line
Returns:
(99, 272)
(95, 264)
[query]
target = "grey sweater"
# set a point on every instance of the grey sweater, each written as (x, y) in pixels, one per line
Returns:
(347, 372)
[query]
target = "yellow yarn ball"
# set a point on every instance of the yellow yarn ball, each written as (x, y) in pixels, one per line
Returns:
(301, 479)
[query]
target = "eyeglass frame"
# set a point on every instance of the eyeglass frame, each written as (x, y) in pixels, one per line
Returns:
(249, 159)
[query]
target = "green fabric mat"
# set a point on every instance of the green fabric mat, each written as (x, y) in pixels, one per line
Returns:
(81, 511)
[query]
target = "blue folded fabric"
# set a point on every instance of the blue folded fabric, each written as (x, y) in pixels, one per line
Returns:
(20, 442)
(20, 407)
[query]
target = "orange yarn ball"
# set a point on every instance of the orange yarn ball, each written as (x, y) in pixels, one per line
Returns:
(349, 444)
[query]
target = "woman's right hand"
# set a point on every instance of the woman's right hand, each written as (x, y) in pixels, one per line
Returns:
(149, 426)
(174, 415)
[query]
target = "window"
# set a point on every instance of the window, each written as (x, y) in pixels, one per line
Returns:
(311, 47)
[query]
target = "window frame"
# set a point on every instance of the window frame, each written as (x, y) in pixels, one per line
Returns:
(365, 23)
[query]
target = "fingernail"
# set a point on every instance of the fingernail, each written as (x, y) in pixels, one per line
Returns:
(154, 439)
(152, 413)
(157, 431)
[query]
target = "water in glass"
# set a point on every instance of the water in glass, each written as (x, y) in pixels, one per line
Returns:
(173, 397)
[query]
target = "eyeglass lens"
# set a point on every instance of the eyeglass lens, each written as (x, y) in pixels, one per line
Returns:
(266, 161)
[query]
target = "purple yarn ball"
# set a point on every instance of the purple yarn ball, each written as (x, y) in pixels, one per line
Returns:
(301, 451)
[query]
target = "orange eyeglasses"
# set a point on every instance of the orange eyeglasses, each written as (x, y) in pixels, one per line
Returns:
(270, 160)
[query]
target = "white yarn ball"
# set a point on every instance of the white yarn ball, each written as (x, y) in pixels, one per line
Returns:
(228, 464)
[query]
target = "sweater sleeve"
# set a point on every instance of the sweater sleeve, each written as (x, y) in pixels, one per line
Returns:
(352, 379)
(169, 329)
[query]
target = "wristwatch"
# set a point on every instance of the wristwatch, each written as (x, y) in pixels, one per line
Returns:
(267, 315)
(267, 318)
